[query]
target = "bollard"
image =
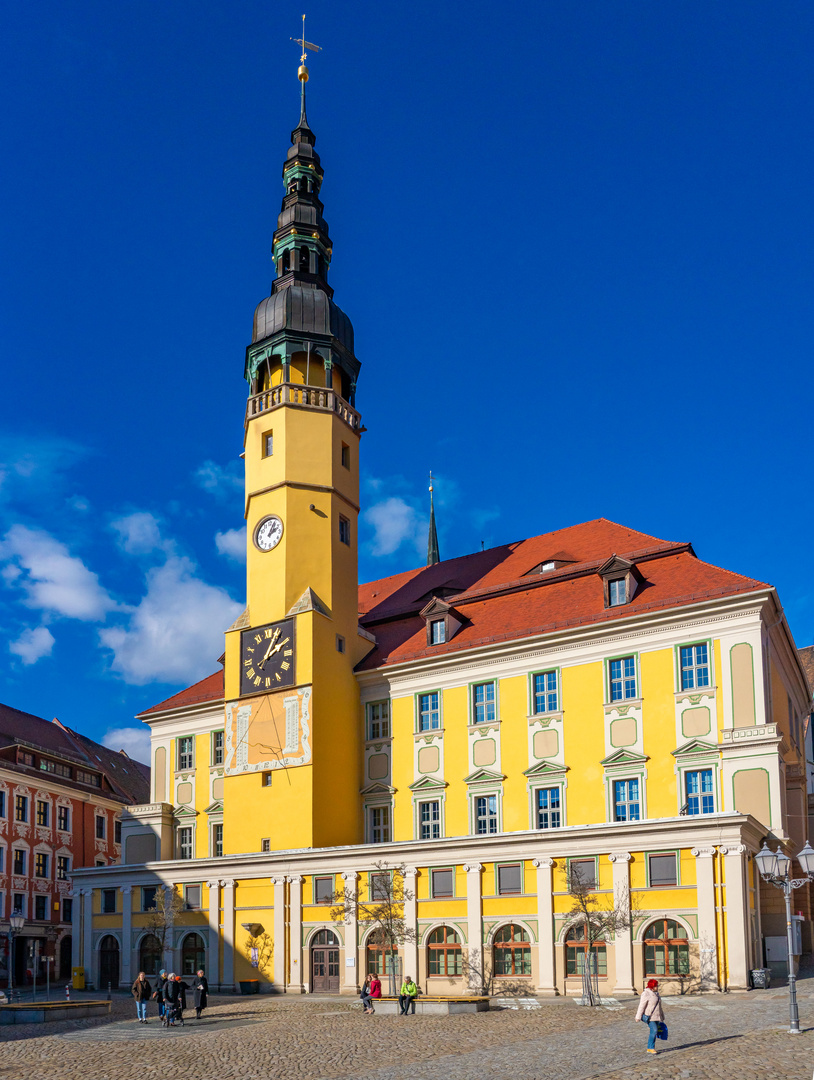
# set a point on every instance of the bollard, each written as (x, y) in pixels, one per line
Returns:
(108, 991)
(68, 992)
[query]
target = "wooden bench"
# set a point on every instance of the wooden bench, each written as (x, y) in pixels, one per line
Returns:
(433, 1005)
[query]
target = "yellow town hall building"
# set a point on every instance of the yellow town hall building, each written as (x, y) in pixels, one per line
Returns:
(593, 701)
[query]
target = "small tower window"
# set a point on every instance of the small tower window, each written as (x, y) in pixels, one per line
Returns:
(305, 260)
(268, 444)
(286, 260)
(344, 530)
(345, 456)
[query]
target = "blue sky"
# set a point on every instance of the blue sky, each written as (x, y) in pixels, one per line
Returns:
(575, 241)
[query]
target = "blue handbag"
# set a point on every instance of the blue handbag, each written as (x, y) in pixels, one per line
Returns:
(662, 1032)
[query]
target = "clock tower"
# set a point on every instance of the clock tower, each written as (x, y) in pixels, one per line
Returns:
(293, 726)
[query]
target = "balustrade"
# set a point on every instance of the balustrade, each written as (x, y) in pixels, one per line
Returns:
(309, 397)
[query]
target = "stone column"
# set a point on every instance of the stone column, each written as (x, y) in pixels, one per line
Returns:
(76, 929)
(214, 969)
(737, 922)
(228, 885)
(87, 936)
(295, 932)
(474, 928)
(279, 934)
(546, 976)
(352, 979)
(707, 930)
(410, 947)
(623, 944)
(127, 976)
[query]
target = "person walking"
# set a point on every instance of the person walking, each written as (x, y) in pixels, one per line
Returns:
(141, 991)
(200, 989)
(365, 995)
(182, 997)
(158, 993)
(650, 1010)
(407, 995)
(172, 994)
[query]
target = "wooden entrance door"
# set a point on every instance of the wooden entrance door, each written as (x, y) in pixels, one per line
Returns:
(108, 963)
(325, 963)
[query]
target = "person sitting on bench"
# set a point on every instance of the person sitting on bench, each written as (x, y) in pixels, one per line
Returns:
(407, 996)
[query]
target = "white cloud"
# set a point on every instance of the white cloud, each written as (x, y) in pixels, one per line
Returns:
(33, 644)
(139, 534)
(232, 544)
(54, 580)
(175, 634)
(217, 480)
(135, 741)
(394, 522)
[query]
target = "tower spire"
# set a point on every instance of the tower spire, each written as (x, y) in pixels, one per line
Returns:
(432, 540)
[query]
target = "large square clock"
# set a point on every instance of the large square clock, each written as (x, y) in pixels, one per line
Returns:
(267, 657)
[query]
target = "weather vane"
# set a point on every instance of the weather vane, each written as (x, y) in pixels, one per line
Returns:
(432, 480)
(302, 73)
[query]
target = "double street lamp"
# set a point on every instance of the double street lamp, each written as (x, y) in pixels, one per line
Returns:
(15, 924)
(775, 867)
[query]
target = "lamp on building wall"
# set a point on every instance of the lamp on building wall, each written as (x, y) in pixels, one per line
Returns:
(775, 868)
(16, 923)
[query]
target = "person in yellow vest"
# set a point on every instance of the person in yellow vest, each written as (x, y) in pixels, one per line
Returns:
(407, 995)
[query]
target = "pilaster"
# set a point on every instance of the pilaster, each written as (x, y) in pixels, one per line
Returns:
(296, 984)
(228, 886)
(546, 977)
(707, 931)
(279, 934)
(623, 938)
(214, 962)
(474, 928)
(352, 979)
(76, 928)
(127, 977)
(87, 936)
(737, 923)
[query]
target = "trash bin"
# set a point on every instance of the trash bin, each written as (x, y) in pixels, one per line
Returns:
(761, 978)
(78, 978)
(250, 986)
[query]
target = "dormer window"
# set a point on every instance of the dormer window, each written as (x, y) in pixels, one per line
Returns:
(438, 631)
(442, 621)
(617, 592)
(548, 566)
(620, 581)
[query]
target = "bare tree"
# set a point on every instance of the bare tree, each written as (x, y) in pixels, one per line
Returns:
(599, 923)
(382, 910)
(264, 944)
(161, 917)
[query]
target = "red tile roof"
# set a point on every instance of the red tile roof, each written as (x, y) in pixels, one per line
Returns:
(208, 689)
(806, 655)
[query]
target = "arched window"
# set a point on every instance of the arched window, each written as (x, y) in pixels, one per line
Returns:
(149, 955)
(325, 937)
(576, 952)
(193, 954)
(305, 260)
(444, 954)
(666, 949)
(380, 959)
(512, 948)
(286, 260)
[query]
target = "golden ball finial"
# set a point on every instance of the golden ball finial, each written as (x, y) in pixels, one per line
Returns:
(302, 73)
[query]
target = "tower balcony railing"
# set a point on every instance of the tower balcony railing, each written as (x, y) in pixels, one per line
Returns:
(307, 397)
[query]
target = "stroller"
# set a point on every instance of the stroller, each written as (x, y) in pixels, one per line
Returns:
(173, 1010)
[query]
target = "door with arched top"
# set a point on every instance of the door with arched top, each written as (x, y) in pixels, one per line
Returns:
(108, 962)
(325, 963)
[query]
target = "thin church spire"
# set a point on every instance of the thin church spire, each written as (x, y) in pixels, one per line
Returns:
(432, 540)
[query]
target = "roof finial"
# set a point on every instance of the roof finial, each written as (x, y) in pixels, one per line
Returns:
(432, 541)
(302, 71)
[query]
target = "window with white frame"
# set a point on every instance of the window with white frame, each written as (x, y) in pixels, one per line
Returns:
(486, 815)
(185, 842)
(700, 791)
(429, 712)
(18, 863)
(623, 678)
(546, 696)
(63, 867)
(217, 840)
(694, 666)
(2, 859)
(617, 592)
(2, 804)
(18, 904)
(626, 802)
(217, 747)
(438, 631)
(101, 826)
(429, 820)
(64, 818)
(379, 824)
(41, 864)
(548, 809)
(378, 720)
(186, 752)
(483, 703)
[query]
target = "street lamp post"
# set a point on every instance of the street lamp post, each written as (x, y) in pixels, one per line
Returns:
(775, 867)
(15, 924)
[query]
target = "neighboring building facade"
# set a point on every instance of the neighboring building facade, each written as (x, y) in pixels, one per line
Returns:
(61, 801)
(592, 699)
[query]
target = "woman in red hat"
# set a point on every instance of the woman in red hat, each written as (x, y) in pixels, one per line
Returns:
(651, 1011)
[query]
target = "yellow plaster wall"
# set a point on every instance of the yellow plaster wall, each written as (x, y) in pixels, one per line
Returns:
(658, 719)
(514, 751)
(455, 719)
(402, 719)
(719, 681)
(584, 742)
(203, 754)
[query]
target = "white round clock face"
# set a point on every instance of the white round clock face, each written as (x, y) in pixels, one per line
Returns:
(268, 533)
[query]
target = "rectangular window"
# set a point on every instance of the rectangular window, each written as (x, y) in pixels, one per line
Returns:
(438, 631)
(19, 862)
(429, 712)
(41, 865)
(545, 692)
(694, 667)
(442, 883)
(46, 765)
(340, 643)
(379, 824)
(217, 747)
(21, 808)
(379, 886)
(40, 908)
(192, 897)
(101, 829)
(63, 867)
(662, 870)
(43, 813)
(344, 530)
(509, 880)
(623, 678)
(486, 815)
(67, 910)
(18, 904)
(700, 794)
(87, 778)
(265, 844)
(548, 808)
(64, 818)
(323, 890)
(483, 700)
(268, 444)
(24, 758)
(185, 842)
(617, 592)
(429, 820)
(626, 800)
(2, 804)
(55, 767)
(117, 831)
(186, 753)
(148, 893)
(584, 870)
(378, 720)
(217, 841)
(2, 860)
(108, 901)
(345, 456)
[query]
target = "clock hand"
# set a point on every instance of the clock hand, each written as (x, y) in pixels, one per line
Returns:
(278, 647)
(269, 650)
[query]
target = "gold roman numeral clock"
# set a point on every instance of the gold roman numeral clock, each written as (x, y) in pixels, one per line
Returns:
(267, 657)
